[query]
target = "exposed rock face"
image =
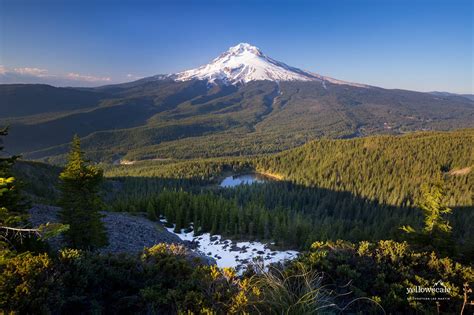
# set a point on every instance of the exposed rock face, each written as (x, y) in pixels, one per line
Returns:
(127, 233)
(130, 234)
(41, 214)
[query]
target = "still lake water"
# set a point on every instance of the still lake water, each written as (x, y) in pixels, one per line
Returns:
(245, 179)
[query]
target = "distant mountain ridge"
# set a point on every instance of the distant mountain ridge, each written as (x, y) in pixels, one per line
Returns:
(242, 103)
(445, 94)
(19, 99)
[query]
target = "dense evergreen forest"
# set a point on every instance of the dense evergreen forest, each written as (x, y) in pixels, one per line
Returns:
(146, 171)
(359, 189)
(387, 169)
(368, 192)
(384, 169)
(154, 118)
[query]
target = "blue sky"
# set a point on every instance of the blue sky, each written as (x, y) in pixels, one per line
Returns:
(420, 45)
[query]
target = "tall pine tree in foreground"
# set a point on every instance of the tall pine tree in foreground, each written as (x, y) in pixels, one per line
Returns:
(81, 202)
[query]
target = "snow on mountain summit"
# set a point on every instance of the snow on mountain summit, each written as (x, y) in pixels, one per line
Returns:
(244, 63)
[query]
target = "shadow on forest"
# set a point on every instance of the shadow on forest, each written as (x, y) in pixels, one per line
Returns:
(325, 214)
(331, 214)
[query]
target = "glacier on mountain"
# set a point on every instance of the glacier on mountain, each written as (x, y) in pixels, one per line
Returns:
(244, 63)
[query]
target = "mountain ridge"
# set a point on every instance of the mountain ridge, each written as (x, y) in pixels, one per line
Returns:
(166, 117)
(243, 63)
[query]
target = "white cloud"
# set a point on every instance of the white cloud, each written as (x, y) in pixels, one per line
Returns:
(12, 75)
(36, 72)
(43, 76)
(133, 77)
(88, 78)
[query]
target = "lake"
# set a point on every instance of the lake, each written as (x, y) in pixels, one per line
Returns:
(244, 179)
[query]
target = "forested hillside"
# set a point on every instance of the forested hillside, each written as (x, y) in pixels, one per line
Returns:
(18, 100)
(362, 191)
(352, 189)
(158, 117)
(387, 169)
(323, 164)
(358, 189)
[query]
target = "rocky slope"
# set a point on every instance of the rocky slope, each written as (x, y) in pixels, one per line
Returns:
(127, 233)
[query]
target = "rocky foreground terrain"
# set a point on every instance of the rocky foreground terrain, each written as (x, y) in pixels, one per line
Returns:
(127, 233)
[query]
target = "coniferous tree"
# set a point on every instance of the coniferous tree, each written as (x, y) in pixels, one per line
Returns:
(436, 232)
(14, 228)
(151, 211)
(11, 203)
(434, 210)
(81, 202)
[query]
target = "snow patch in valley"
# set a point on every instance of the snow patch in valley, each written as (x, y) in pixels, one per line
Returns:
(228, 253)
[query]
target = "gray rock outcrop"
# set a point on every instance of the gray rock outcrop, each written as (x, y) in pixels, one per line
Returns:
(127, 233)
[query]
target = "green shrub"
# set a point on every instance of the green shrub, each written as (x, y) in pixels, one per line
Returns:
(384, 270)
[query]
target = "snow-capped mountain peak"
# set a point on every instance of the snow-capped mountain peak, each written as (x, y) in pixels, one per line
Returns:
(244, 63)
(244, 48)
